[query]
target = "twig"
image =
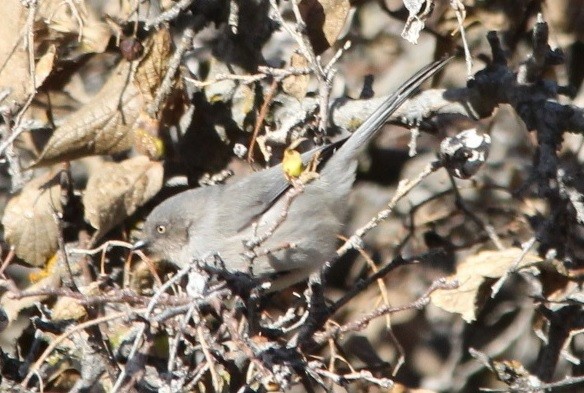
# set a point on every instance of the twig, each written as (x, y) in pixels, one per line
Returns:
(269, 96)
(202, 369)
(486, 227)
(176, 340)
(140, 331)
(57, 216)
(76, 14)
(256, 240)
(54, 343)
(355, 376)
(104, 247)
(206, 352)
(500, 344)
(362, 323)
(12, 133)
(460, 12)
(233, 18)
(395, 263)
(567, 381)
(169, 15)
(166, 85)
(525, 248)
(383, 292)
(29, 42)
(404, 187)
(324, 77)
(264, 73)
(7, 261)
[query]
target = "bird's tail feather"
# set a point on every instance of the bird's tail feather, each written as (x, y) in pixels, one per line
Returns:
(347, 152)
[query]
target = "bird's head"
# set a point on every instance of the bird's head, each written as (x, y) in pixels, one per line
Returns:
(166, 234)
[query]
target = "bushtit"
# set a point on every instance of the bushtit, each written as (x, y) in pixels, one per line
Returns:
(255, 226)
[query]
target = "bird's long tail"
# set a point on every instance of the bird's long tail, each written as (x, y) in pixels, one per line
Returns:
(345, 155)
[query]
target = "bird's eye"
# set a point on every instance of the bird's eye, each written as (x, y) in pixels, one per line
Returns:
(161, 229)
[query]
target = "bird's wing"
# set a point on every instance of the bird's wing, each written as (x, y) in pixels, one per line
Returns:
(271, 184)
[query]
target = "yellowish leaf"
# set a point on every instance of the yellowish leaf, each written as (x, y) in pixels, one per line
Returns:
(48, 270)
(146, 140)
(292, 163)
(472, 273)
(66, 308)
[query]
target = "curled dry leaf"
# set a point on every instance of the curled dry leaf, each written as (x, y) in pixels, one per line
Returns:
(74, 17)
(44, 66)
(104, 125)
(34, 280)
(153, 64)
(14, 70)
(99, 127)
(118, 189)
(28, 220)
(324, 20)
(472, 274)
(13, 306)
(219, 89)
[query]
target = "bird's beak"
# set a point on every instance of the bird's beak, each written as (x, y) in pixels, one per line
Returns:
(139, 245)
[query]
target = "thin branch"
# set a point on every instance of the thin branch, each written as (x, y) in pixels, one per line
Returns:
(404, 187)
(362, 323)
(170, 14)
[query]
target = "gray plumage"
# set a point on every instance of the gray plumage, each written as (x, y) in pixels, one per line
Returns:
(218, 220)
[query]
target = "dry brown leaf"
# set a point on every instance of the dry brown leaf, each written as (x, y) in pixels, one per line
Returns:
(13, 306)
(324, 20)
(68, 308)
(103, 125)
(44, 66)
(472, 273)
(14, 66)
(118, 189)
(29, 223)
(75, 18)
(153, 65)
(297, 85)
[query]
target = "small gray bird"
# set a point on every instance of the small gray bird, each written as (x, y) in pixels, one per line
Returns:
(255, 226)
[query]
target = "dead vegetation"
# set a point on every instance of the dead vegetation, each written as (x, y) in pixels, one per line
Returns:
(454, 272)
